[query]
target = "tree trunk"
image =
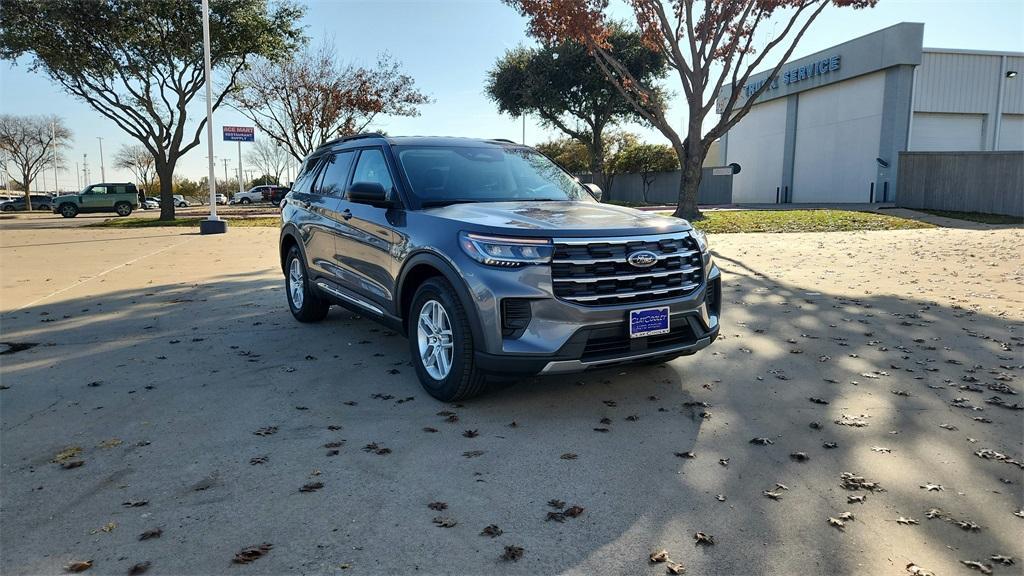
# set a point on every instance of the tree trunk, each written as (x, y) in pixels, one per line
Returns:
(166, 176)
(28, 191)
(597, 171)
(691, 158)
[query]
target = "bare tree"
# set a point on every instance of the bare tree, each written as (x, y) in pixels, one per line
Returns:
(31, 144)
(710, 44)
(137, 159)
(269, 157)
(302, 102)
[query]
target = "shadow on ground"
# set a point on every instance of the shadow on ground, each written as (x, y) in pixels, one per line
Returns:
(213, 407)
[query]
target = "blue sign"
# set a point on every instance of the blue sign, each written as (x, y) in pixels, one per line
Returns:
(648, 322)
(797, 74)
(239, 134)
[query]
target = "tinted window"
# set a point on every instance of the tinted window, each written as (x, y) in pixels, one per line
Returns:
(441, 174)
(372, 167)
(305, 179)
(98, 190)
(118, 189)
(334, 174)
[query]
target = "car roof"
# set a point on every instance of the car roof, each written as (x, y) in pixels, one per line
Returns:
(379, 139)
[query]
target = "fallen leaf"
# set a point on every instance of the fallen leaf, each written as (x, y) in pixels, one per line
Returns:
(444, 521)
(471, 433)
(70, 464)
(916, 570)
(568, 456)
(67, 454)
(704, 539)
(761, 441)
(491, 530)
(79, 566)
(933, 487)
(512, 553)
(1004, 560)
(135, 503)
(906, 521)
(800, 456)
(106, 528)
(674, 567)
(555, 503)
(983, 568)
(139, 568)
(439, 506)
(311, 487)
(149, 534)
(855, 499)
(836, 522)
(247, 555)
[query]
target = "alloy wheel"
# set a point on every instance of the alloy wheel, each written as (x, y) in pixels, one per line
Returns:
(436, 344)
(296, 283)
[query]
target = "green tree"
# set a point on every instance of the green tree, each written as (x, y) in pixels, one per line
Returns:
(647, 160)
(265, 180)
(563, 85)
(568, 153)
(713, 46)
(139, 63)
(187, 188)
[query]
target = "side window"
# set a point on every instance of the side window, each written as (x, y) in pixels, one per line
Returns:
(98, 190)
(335, 174)
(119, 189)
(305, 179)
(372, 167)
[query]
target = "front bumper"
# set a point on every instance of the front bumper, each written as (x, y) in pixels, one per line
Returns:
(563, 337)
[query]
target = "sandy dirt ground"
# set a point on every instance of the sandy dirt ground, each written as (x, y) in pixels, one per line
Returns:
(170, 367)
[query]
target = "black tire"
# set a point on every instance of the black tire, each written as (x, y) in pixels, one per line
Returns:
(464, 380)
(8, 208)
(245, 201)
(45, 208)
(68, 210)
(123, 209)
(311, 308)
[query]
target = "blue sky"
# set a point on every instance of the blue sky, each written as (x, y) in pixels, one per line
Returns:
(448, 46)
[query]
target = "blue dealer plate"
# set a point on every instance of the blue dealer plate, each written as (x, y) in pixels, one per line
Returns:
(648, 322)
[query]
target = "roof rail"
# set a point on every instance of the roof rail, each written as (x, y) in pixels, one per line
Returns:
(352, 137)
(503, 140)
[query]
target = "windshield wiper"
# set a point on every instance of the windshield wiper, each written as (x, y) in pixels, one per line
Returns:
(429, 203)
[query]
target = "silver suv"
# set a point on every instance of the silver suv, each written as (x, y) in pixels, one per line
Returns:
(492, 260)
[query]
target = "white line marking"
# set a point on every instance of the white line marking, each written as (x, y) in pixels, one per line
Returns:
(104, 273)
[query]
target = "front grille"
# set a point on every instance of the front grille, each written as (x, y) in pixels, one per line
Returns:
(598, 273)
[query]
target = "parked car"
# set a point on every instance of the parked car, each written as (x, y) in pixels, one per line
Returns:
(263, 193)
(180, 202)
(277, 194)
(221, 199)
(150, 204)
(39, 202)
(119, 197)
(492, 260)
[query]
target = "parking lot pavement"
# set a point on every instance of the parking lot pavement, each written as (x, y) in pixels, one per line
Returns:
(168, 364)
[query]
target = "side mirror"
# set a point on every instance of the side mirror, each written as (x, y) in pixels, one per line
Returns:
(595, 191)
(372, 193)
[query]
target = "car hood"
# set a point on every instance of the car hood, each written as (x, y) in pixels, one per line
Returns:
(565, 218)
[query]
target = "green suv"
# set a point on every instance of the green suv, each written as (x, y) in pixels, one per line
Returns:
(120, 197)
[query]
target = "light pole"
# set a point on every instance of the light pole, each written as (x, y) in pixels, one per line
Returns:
(85, 168)
(103, 169)
(225, 161)
(53, 134)
(211, 225)
(78, 177)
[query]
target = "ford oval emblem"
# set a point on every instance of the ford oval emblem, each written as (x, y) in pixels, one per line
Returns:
(642, 259)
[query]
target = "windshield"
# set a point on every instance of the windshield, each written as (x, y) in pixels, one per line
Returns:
(451, 174)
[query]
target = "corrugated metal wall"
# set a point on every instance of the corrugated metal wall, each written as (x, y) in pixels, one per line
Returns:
(955, 82)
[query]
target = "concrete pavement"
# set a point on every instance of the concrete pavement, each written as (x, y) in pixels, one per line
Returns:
(200, 407)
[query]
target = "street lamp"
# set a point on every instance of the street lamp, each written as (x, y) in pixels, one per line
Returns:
(211, 225)
(103, 169)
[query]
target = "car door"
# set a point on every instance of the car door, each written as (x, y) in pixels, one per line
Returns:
(365, 242)
(95, 198)
(321, 202)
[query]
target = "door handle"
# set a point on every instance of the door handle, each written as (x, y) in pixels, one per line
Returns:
(346, 214)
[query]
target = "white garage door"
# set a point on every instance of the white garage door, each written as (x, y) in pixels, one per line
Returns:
(1011, 132)
(934, 132)
(837, 137)
(756, 143)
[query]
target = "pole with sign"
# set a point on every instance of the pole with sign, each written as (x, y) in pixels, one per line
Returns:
(211, 225)
(239, 134)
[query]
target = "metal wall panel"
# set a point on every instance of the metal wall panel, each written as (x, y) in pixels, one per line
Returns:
(957, 82)
(1013, 96)
(1011, 133)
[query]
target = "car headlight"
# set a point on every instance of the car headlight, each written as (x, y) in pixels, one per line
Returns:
(506, 252)
(702, 240)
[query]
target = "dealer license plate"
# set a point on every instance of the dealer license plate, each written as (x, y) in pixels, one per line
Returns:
(648, 322)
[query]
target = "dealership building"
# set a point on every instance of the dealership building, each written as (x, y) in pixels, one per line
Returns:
(830, 127)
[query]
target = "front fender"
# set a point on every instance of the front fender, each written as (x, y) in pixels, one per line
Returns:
(442, 265)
